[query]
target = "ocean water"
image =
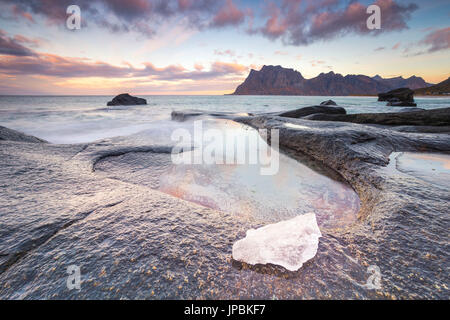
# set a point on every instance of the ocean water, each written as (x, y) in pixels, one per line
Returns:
(80, 119)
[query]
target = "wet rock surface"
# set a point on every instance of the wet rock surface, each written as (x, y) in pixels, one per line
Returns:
(13, 135)
(435, 117)
(184, 115)
(306, 111)
(64, 207)
(328, 103)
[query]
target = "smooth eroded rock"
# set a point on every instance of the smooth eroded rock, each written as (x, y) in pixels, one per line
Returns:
(13, 135)
(328, 103)
(434, 117)
(306, 111)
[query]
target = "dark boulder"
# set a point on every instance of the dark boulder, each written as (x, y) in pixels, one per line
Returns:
(397, 95)
(328, 103)
(306, 111)
(402, 104)
(409, 109)
(434, 117)
(125, 99)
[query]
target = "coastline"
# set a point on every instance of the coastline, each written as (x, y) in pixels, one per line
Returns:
(115, 225)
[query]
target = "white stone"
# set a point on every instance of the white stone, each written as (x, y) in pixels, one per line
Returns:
(288, 243)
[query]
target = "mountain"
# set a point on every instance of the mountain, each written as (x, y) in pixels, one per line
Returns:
(400, 82)
(440, 88)
(276, 80)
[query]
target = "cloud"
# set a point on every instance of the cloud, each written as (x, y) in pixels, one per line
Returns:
(66, 67)
(143, 16)
(299, 22)
(380, 49)
(228, 52)
(15, 46)
(198, 67)
(229, 14)
(315, 63)
(396, 46)
(437, 40)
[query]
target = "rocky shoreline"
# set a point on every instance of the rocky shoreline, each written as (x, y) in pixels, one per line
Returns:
(85, 205)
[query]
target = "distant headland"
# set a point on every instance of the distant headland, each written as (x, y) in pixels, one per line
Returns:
(276, 80)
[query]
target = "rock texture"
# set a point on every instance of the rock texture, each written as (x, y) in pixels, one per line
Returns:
(125, 99)
(184, 115)
(328, 103)
(305, 111)
(276, 80)
(13, 135)
(435, 117)
(134, 242)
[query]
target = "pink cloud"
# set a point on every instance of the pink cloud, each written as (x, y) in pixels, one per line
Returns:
(228, 52)
(16, 59)
(229, 14)
(303, 22)
(396, 46)
(437, 40)
(15, 46)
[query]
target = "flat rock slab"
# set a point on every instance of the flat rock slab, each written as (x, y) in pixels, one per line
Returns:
(132, 241)
(434, 117)
(13, 135)
(302, 112)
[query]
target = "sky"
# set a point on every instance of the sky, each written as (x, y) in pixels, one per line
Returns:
(209, 46)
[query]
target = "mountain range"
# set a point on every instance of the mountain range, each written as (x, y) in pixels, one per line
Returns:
(438, 89)
(276, 80)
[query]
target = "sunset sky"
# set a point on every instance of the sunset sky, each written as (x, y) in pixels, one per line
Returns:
(209, 46)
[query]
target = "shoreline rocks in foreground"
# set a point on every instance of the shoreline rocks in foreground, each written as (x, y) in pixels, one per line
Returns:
(126, 99)
(324, 108)
(434, 117)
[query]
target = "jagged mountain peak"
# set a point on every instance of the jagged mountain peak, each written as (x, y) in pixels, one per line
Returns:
(276, 80)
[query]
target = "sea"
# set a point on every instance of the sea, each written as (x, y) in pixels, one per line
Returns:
(83, 119)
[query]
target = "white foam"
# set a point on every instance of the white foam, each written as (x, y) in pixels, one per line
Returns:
(288, 243)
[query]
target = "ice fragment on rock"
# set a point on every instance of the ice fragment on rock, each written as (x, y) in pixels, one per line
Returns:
(288, 243)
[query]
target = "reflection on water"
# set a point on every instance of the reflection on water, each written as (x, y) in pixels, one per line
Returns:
(242, 190)
(431, 167)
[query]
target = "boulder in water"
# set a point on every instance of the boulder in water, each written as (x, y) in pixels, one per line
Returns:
(402, 97)
(288, 243)
(125, 99)
(328, 103)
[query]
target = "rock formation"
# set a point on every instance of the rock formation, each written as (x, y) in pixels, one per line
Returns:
(276, 80)
(305, 111)
(402, 97)
(125, 99)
